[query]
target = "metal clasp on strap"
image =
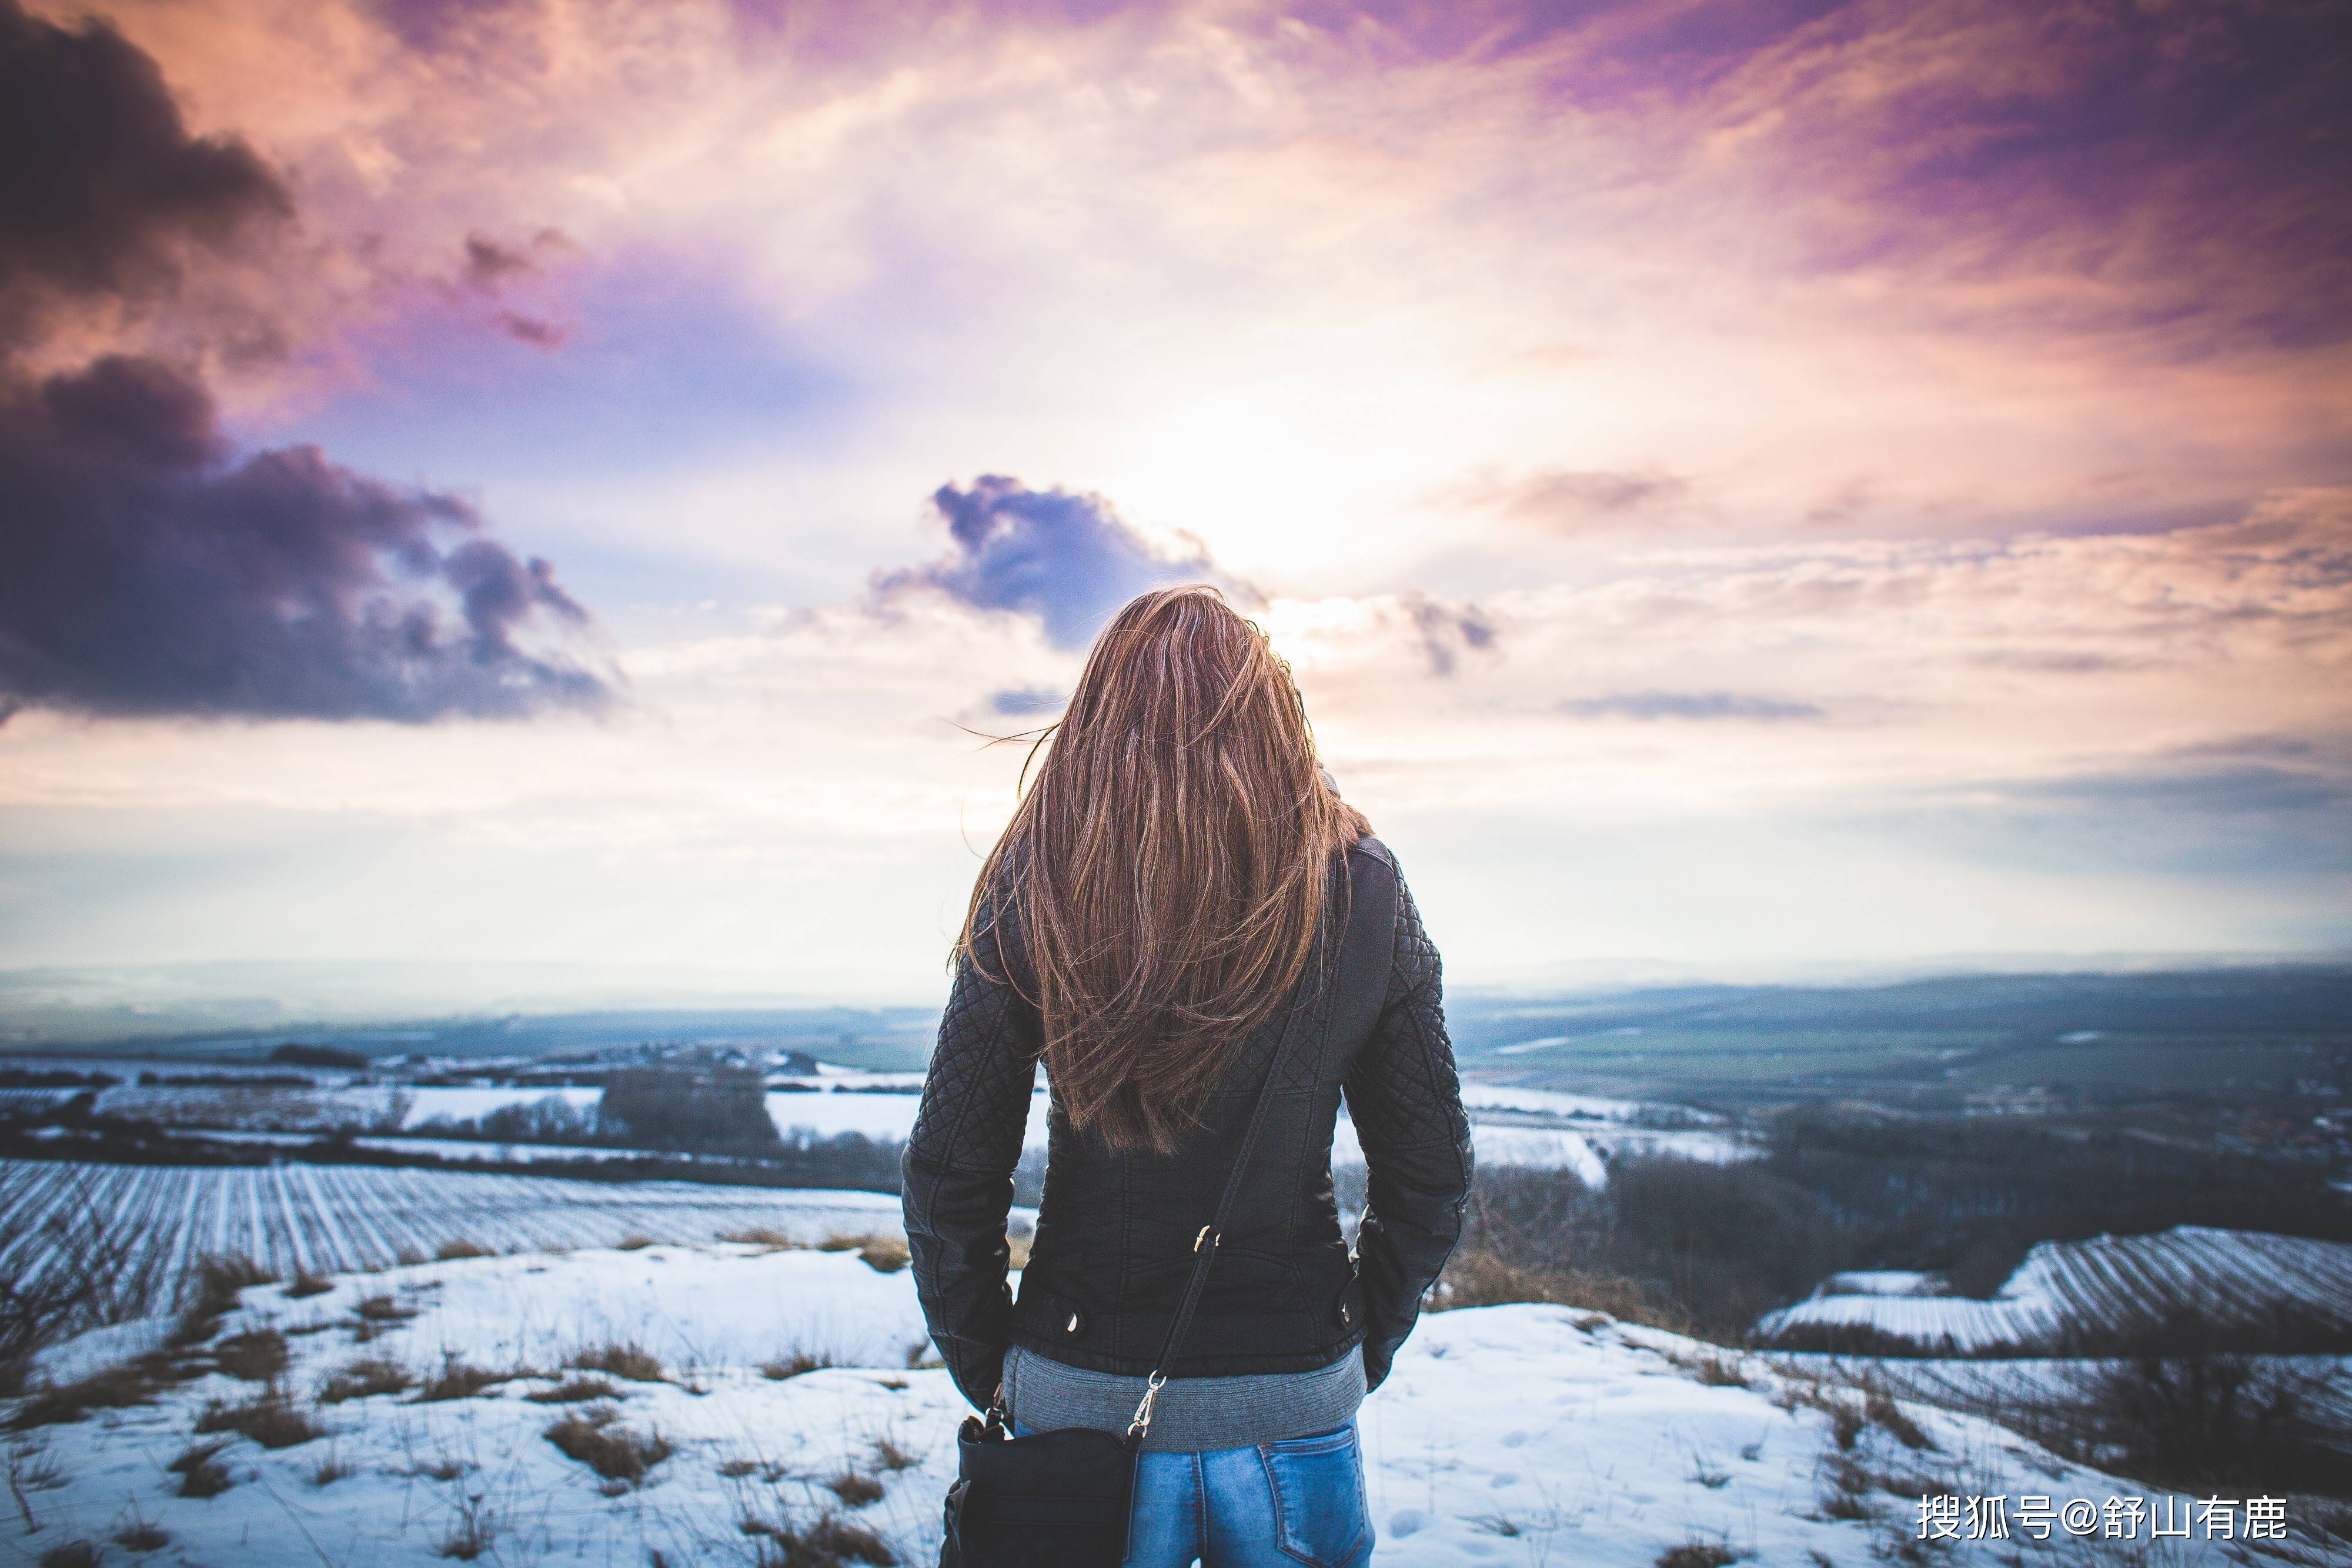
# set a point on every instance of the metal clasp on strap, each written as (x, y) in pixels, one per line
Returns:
(1142, 1422)
(1208, 1238)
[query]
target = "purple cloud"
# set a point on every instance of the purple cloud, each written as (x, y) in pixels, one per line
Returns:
(1069, 560)
(2182, 173)
(530, 329)
(490, 264)
(1447, 631)
(2192, 164)
(144, 567)
(143, 571)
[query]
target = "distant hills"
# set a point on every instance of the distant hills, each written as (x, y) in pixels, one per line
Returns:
(2266, 1029)
(2269, 1030)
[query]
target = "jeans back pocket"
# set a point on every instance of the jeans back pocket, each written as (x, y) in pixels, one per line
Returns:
(1318, 1497)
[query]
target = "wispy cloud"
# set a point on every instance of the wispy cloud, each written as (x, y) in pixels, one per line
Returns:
(2280, 809)
(2177, 178)
(1692, 705)
(1569, 501)
(1021, 702)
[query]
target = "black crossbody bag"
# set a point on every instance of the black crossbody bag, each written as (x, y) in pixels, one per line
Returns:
(1063, 1499)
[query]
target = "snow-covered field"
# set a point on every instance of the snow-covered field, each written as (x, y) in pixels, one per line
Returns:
(875, 1115)
(1521, 1435)
(1525, 1141)
(852, 1103)
(2065, 1287)
(1548, 1127)
(331, 1217)
(461, 1150)
(1512, 1126)
(1546, 1148)
(262, 1107)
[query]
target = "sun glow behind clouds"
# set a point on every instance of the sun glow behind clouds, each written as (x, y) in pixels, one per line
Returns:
(1290, 480)
(1838, 478)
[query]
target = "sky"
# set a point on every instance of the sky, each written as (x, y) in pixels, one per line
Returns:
(1746, 488)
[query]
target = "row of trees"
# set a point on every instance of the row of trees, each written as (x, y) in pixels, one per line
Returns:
(685, 1108)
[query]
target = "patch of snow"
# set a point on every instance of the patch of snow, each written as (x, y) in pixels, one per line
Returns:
(1525, 1046)
(1880, 1282)
(879, 1116)
(1480, 1096)
(694, 1308)
(1504, 1435)
(466, 1102)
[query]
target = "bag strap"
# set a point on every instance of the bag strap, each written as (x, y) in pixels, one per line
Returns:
(1204, 1250)
(1204, 1245)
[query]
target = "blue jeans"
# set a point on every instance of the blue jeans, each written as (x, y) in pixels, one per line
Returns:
(1298, 1503)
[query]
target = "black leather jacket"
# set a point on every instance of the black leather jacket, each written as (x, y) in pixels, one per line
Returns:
(1115, 1230)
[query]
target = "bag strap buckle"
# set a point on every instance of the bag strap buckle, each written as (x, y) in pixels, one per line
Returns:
(1142, 1422)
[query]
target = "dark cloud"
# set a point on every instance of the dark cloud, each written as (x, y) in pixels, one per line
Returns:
(1447, 631)
(1020, 701)
(149, 573)
(490, 264)
(1069, 560)
(1692, 705)
(530, 329)
(102, 188)
(147, 568)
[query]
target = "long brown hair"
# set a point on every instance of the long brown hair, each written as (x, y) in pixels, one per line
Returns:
(1168, 869)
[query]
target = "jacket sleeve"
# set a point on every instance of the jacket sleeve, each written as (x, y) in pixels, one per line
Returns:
(1406, 1102)
(956, 1175)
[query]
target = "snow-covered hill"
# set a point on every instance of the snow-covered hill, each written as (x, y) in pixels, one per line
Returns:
(2067, 1289)
(1519, 1434)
